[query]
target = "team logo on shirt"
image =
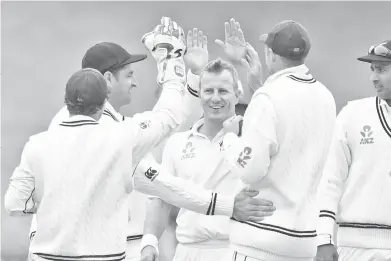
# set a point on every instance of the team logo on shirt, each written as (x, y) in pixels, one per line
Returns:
(151, 173)
(144, 124)
(244, 156)
(366, 134)
(188, 151)
(179, 71)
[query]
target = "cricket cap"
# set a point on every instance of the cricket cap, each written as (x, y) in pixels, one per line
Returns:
(288, 39)
(108, 56)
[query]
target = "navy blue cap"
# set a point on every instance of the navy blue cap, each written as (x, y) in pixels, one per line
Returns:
(288, 39)
(108, 56)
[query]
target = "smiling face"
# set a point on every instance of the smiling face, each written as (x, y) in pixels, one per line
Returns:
(218, 95)
(381, 79)
(121, 84)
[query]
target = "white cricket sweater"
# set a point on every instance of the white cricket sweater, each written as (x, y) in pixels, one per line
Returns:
(192, 156)
(355, 187)
(137, 201)
(287, 130)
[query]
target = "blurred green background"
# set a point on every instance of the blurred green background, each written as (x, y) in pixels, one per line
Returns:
(43, 43)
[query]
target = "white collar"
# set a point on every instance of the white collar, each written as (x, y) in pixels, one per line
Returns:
(78, 120)
(301, 69)
(384, 104)
(111, 112)
(298, 70)
(195, 131)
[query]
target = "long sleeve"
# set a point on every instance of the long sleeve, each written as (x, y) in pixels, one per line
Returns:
(258, 142)
(158, 210)
(334, 175)
(151, 127)
(19, 198)
(193, 111)
(179, 192)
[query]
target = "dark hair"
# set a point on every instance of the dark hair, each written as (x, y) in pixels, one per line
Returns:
(79, 108)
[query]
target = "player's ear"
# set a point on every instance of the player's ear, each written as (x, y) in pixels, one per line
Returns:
(109, 77)
(272, 54)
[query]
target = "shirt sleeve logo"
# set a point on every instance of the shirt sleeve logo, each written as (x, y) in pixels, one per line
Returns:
(244, 156)
(151, 173)
(144, 124)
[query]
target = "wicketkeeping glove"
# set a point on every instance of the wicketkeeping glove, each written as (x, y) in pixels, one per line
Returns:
(167, 45)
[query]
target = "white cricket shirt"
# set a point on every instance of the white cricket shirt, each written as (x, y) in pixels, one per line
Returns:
(192, 156)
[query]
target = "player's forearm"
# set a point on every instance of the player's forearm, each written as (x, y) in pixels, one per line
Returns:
(330, 191)
(169, 107)
(18, 199)
(182, 193)
(157, 217)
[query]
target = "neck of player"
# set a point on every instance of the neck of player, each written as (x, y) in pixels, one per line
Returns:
(211, 127)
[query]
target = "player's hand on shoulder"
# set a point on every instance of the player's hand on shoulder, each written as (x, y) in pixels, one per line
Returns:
(233, 124)
(234, 45)
(327, 252)
(149, 253)
(248, 208)
(197, 56)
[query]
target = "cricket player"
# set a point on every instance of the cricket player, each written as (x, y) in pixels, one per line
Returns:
(354, 192)
(198, 155)
(77, 177)
(115, 63)
(287, 129)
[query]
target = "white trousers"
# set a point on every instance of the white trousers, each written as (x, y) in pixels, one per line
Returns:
(363, 254)
(194, 253)
(240, 257)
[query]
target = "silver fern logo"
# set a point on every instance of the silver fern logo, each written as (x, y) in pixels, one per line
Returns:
(188, 151)
(366, 134)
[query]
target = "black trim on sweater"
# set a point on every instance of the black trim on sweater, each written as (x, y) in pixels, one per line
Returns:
(302, 80)
(382, 117)
(212, 205)
(108, 257)
(327, 213)
(363, 225)
(111, 115)
(281, 230)
(192, 92)
(134, 237)
(78, 123)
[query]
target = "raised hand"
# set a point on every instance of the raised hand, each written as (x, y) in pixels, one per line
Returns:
(234, 45)
(253, 66)
(167, 46)
(166, 41)
(197, 55)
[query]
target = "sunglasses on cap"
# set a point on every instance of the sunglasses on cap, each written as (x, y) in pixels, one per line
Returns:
(380, 50)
